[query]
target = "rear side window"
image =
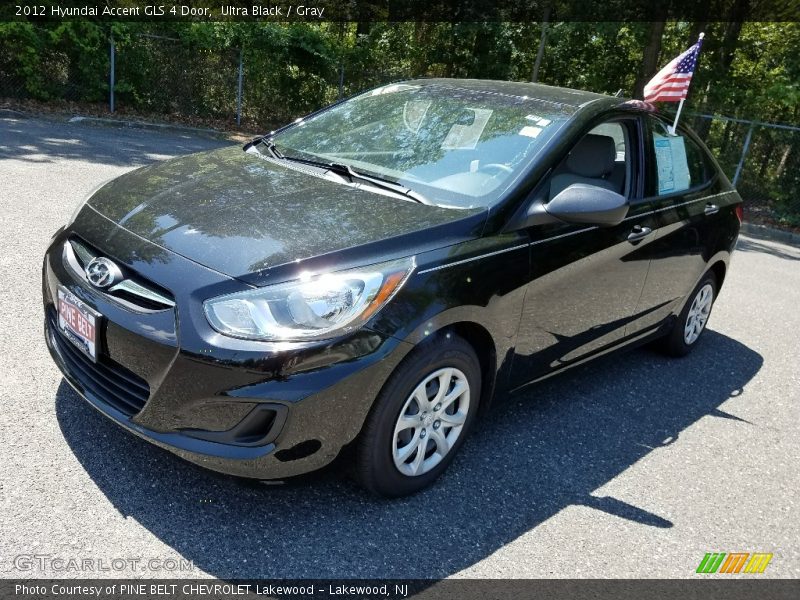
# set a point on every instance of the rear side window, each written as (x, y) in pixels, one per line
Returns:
(680, 164)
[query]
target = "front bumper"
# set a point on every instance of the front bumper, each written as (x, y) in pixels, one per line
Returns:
(251, 409)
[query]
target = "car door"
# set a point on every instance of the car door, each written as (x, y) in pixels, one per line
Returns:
(681, 189)
(586, 281)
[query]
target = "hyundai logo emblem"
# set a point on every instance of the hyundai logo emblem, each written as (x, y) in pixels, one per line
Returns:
(102, 272)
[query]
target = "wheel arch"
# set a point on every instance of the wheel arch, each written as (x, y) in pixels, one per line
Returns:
(483, 344)
(719, 269)
(718, 265)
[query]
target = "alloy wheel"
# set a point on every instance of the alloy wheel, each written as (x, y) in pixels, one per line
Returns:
(430, 421)
(698, 314)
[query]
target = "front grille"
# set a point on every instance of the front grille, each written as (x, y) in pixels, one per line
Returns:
(110, 382)
(133, 291)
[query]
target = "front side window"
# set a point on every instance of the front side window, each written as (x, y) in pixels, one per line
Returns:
(601, 158)
(458, 147)
(679, 163)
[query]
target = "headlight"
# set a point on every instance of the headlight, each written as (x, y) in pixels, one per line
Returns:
(312, 307)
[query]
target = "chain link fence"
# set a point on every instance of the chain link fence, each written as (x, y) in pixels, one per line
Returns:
(158, 75)
(161, 75)
(164, 76)
(763, 161)
(56, 77)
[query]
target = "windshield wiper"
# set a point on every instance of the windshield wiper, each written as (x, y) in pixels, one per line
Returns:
(378, 182)
(347, 171)
(267, 141)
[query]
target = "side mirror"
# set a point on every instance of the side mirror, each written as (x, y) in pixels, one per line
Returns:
(590, 204)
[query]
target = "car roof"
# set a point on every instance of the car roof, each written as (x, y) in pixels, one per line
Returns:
(548, 93)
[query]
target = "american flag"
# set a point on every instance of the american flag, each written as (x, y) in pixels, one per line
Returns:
(671, 84)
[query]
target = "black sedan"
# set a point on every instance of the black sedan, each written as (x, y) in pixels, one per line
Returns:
(369, 278)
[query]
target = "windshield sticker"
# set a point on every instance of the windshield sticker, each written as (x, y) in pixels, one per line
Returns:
(530, 131)
(465, 137)
(540, 121)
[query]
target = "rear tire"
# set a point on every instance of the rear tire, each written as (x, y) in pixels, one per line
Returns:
(420, 418)
(692, 320)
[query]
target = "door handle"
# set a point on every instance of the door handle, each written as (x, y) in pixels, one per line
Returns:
(638, 233)
(711, 209)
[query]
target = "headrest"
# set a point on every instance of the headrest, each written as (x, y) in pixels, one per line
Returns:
(593, 156)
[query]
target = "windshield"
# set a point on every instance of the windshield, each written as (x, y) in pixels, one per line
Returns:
(457, 147)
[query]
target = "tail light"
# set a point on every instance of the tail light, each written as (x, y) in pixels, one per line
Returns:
(740, 212)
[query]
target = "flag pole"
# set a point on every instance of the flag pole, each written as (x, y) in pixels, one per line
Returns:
(677, 116)
(680, 105)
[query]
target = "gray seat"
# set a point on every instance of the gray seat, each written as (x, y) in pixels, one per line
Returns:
(617, 177)
(591, 161)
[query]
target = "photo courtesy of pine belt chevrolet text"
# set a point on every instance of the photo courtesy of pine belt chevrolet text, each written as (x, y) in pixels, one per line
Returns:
(367, 282)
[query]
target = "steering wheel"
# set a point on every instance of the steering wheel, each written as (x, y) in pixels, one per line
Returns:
(496, 167)
(492, 181)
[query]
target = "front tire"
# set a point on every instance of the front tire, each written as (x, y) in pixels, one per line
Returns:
(420, 418)
(693, 318)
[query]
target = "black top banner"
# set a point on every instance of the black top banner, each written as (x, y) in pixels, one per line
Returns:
(403, 10)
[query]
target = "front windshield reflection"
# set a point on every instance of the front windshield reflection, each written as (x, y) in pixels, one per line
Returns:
(459, 147)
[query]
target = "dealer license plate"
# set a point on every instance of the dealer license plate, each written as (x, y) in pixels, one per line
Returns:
(78, 322)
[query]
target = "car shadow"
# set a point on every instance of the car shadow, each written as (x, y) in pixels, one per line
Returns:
(537, 453)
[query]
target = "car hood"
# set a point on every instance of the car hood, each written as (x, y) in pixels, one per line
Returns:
(241, 214)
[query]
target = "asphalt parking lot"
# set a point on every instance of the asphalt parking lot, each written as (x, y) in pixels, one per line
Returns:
(635, 466)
